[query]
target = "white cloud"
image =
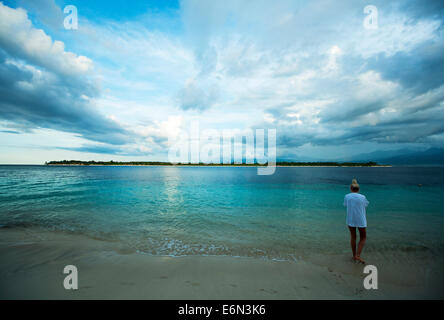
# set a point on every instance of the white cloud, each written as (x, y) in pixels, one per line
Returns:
(398, 34)
(20, 38)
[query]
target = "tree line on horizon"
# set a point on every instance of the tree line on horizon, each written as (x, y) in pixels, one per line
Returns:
(160, 163)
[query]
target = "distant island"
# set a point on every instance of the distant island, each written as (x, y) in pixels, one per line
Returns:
(158, 163)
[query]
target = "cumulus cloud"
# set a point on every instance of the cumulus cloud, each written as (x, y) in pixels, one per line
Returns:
(20, 39)
(42, 85)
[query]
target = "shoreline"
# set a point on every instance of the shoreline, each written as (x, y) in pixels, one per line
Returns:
(32, 265)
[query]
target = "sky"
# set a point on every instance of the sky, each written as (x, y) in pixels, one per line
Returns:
(135, 74)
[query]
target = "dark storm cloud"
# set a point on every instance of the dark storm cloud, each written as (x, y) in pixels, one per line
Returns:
(416, 119)
(420, 70)
(423, 8)
(10, 131)
(44, 86)
(350, 110)
(33, 98)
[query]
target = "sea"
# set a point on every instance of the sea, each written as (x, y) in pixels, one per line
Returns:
(296, 213)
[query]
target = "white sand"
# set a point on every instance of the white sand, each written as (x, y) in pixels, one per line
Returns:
(32, 262)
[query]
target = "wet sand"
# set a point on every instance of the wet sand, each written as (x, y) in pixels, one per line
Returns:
(32, 263)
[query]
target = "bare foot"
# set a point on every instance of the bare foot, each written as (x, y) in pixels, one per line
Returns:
(360, 260)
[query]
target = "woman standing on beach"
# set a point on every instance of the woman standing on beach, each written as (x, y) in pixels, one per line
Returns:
(356, 204)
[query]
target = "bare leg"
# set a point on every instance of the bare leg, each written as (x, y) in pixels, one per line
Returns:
(362, 238)
(353, 240)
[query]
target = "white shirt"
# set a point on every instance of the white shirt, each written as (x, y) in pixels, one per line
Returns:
(356, 204)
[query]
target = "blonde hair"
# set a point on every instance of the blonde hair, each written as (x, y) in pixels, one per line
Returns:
(354, 185)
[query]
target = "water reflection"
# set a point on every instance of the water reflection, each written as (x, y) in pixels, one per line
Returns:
(171, 183)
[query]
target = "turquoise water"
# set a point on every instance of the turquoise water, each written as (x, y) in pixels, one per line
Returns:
(227, 211)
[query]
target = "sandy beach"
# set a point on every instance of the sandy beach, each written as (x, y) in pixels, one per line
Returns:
(32, 263)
